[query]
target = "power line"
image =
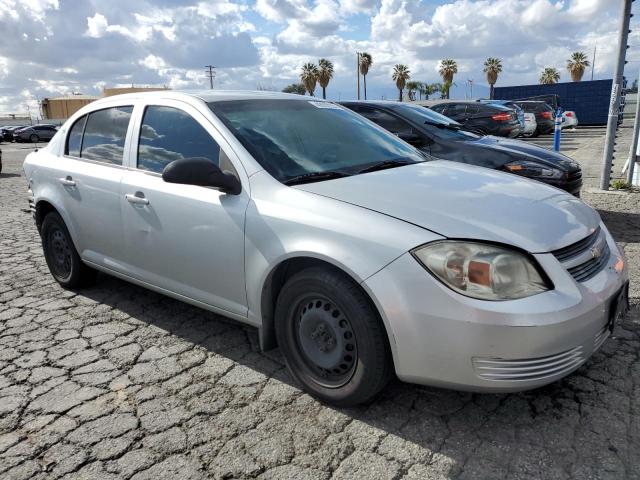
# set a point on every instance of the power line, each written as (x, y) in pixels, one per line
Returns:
(211, 73)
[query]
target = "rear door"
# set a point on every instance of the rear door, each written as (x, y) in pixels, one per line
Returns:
(89, 175)
(186, 239)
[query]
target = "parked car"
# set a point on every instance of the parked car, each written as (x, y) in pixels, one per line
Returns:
(545, 115)
(508, 104)
(530, 124)
(35, 133)
(7, 131)
(0, 161)
(352, 251)
(569, 119)
(443, 138)
(477, 117)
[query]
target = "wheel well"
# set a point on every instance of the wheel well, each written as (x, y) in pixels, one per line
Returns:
(272, 287)
(43, 208)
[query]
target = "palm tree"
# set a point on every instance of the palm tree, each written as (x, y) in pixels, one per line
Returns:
(365, 64)
(412, 88)
(576, 65)
(444, 90)
(309, 77)
(447, 69)
(492, 67)
(401, 74)
(325, 74)
(549, 76)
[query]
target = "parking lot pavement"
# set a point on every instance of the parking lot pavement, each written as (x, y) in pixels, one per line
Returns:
(119, 382)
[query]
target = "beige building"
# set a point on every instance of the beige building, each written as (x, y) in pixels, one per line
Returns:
(108, 92)
(64, 107)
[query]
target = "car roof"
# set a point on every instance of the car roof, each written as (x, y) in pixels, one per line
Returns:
(206, 95)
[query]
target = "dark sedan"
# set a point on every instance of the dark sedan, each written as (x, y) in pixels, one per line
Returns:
(480, 118)
(544, 115)
(443, 138)
(6, 132)
(35, 133)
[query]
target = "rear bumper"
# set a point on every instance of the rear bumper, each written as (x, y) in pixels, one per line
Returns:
(545, 126)
(444, 339)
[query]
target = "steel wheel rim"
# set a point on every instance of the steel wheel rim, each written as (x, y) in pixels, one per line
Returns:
(59, 253)
(326, 341)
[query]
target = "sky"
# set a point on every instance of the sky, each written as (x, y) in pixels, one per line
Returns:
(51, 48)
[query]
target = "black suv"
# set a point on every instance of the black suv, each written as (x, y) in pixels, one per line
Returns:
(481, 118)
(439, 136)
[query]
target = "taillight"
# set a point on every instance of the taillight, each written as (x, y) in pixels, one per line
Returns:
(569, 114)
(501, 117)
(546, 114)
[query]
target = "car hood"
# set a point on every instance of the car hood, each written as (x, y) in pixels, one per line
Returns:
(468, 202)
(524, 150)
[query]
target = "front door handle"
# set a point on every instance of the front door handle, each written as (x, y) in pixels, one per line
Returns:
(137, 199)
(67, 181)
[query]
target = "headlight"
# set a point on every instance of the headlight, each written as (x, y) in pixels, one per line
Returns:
(533, 170)
(482, 271)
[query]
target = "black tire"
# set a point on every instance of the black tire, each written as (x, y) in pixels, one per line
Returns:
(321, 307)
(34, 138)
(61, 255)
(536, 132)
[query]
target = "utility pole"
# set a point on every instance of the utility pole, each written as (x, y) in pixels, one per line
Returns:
(211, 73)
(358, 71)
(593, 63)
(614, 104)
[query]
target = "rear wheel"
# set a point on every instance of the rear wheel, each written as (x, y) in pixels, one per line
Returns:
(332, 338)
(34, 138)
(61, 255)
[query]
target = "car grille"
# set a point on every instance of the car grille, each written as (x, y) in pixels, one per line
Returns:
(575, 249)
(541, 368)
(585, 258)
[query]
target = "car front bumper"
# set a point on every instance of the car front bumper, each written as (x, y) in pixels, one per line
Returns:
(441, 338)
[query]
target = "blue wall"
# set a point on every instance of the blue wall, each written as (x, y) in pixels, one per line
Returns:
(589, 99)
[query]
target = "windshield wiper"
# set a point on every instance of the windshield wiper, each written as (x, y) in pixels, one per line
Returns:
(448, 126)
(313, 177)
(386, 164)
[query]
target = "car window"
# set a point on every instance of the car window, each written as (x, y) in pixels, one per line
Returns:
(169, 134)
(74, 141)
(290, 138)
(385, 120)
(104, 135)
(456, 110)
(439, 108)
(473, 109)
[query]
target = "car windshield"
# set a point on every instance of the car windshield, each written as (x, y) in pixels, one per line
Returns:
(436, 123)
(311, 140)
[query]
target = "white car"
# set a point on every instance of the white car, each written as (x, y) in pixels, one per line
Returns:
(530, 124)
(569, 119)
(349, 249)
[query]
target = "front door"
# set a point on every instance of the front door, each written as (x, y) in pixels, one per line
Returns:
(185, 239)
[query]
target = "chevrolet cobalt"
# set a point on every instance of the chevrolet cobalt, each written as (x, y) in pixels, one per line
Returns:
(350, 250)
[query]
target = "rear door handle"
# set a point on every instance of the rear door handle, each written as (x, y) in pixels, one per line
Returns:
(137, 199)
(67, 181)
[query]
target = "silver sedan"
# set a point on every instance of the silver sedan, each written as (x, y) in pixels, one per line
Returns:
(357, 255)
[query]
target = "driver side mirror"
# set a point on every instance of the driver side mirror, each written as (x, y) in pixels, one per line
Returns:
(411, 138)
(201, 172)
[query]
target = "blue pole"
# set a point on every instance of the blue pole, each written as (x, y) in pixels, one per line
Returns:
(557, 130)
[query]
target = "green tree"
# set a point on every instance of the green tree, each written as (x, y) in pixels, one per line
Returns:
(325, 74)
(401, 75)
(365, 64)
(295, 88)
(549, 76)
(309, 77)
(576, 65)
(492, 68)
(447, 69)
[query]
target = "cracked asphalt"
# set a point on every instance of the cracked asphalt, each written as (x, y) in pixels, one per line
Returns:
(119, 382)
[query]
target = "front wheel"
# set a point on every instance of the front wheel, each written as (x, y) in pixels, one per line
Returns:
(61, 255)
(332, 338)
